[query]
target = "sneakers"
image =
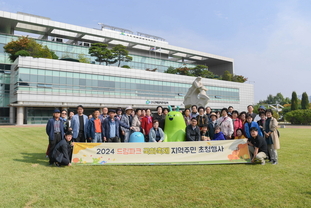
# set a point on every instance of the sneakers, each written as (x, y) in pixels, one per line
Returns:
(274, 163)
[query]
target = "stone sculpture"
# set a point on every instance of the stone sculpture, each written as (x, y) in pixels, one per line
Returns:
(196, 94)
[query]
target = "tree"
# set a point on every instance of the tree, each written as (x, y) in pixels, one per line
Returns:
(305, 101)
(294, 101)
(121, 54)
(239, 78)
(102, 53)
(83, 59)
(279, 98)
(25, 46)
(227, 76)
(126, 66)
(171, 70)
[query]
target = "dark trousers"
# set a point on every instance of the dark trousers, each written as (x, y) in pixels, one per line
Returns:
(65, 161)
(52, 144)
(81, 137)
(113, 139)
(146, 138)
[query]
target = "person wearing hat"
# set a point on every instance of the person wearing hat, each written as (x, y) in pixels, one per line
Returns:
(126, 118)
(62, 152)
(212, 124)
(55, 131)
(111, 127)
(261, 109)
(119, 113)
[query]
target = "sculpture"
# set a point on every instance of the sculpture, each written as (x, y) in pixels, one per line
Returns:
(174, 126)
(196, 94)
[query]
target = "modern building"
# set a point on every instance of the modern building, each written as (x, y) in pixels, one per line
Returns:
(30, 88)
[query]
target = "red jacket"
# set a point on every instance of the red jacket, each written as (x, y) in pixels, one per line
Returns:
(145, 125)
(237, 124)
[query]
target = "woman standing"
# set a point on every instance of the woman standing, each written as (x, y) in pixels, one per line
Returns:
(146, 124)
(225, 123)
(136, 124)
(187, 116)
(272, 137)
(242, 117)
(237, 123)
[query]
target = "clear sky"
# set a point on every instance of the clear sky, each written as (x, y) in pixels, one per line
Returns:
(268, 40)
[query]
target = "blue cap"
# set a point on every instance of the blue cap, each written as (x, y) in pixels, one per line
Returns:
(262, 107)
(56, 111)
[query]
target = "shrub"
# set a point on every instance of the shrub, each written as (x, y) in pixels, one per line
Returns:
(299, 117)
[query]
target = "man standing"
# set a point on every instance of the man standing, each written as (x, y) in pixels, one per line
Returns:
(257, 146)
(193, 131)
(194, 111)
(111, 127)
(94, 128)
(55, 131)
(104, 115)
(250, 110)
(127, 119)
(79, 125)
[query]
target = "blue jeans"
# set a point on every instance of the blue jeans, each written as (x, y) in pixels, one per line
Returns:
(97, 138)
(127, 136)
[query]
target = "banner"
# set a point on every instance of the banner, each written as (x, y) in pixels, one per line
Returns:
(162, 153)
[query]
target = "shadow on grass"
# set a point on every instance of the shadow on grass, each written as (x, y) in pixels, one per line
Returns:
(34, 158)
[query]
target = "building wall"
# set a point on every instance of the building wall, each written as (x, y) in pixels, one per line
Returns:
(37, 82)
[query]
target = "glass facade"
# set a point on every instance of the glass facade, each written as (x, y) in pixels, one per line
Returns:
(4, 93)
(48, 81)
(36, 115)
(73, 51)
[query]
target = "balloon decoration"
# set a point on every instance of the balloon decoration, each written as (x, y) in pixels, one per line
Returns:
(137, 137)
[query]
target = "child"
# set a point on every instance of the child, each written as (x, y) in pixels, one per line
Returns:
(205, 133)
(239, 134)
(218, 134)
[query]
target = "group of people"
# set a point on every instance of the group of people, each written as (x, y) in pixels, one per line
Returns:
(202, 124)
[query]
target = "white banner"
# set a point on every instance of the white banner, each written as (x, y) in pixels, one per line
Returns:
(162, 153)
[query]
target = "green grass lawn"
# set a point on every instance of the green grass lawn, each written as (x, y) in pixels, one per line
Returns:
(27, 181)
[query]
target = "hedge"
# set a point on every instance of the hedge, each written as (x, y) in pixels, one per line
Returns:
(299, 117)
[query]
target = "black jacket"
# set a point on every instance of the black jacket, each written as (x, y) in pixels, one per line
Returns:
(202, 120)
(62, 150)
(193, 134)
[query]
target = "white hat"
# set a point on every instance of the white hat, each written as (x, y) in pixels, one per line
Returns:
(129, 108)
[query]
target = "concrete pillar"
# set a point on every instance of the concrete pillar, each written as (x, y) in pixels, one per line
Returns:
(20, 115)
(12, 115)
